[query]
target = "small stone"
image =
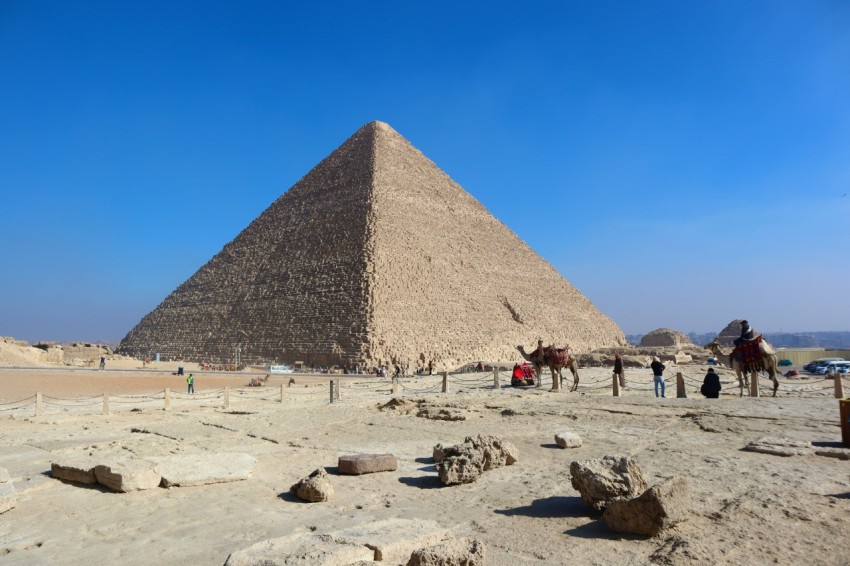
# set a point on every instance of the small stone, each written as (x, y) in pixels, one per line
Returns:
(659, 507)
(366, 464)
(568, 440)
(314, 488)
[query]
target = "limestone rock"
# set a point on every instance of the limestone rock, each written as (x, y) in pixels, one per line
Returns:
(74, 469)
(465, 462)
(366, 464)
(454, 552)
(394, 540)
(201, 469)
(128, 474)
(439, 452)
(440, 413)
(780, 446)
(612, 478)
(314, 488)
(839, 453)
(568, 439)
(301, 550)
(8, 497)
(656, 509)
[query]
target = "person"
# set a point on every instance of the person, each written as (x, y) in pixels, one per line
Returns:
(191, 382)
(747, 333)
(397, 371)
(658, 375)
(430, 367)
(102, 362)
(711, 385)
(479, 367)
(618, 370)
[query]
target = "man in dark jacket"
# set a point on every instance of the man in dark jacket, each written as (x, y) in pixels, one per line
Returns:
(658, 375)
(747, 333)
(618, 370)
(711, 385)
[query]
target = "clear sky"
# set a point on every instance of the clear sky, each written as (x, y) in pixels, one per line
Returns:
(682, 163)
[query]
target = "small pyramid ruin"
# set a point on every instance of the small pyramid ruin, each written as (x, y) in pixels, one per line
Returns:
(375, 256)
(663, 337)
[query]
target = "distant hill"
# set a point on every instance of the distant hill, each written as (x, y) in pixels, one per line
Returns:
(836, 339)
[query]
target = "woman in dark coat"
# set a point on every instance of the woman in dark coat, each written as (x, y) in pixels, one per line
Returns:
(711, 385)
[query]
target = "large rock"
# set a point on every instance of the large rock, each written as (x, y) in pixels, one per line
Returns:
(128, 474)
(464, 463)
(394, 540)
(8, 497)
(656, 509)
(302, 550)
(780, 446)
(607, 479)
(74, 469)
(567, 440)
(314, 488)
(455, 552)
(366, 464)
(201, 469)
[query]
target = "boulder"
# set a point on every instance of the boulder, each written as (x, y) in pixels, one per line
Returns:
(128, 474)
(394, 540)
(464, 463)
(301, 550)
(454, 552)
(780, 446)
(439, 452)
(567, 440)
(314, 488)
(366, 464)
(612, 478)
(74, 469)
(656, 509)
(201, 469)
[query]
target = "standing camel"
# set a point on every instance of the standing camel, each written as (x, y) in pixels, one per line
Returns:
(553, 358)
(768, 358)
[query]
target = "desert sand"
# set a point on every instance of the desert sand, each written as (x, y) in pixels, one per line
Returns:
(748, 507)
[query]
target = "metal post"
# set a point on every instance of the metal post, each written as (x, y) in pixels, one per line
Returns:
(106, 403)
(839, 386)
(616, 385)
(38, 404)
(226, 397)
(680, 386)
(445, 382)
(167, 399)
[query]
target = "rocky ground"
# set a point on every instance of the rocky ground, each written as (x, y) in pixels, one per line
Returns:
(747, 507)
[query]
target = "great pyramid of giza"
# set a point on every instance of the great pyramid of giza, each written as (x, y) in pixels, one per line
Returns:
(375, 256)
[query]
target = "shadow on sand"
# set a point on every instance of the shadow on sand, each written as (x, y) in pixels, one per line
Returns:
(422, 482)
(550, 507)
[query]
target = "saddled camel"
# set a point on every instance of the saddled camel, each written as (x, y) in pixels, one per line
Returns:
(555, 359)
(768, 357)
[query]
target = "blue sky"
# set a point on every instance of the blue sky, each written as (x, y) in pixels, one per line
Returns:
(682, 163)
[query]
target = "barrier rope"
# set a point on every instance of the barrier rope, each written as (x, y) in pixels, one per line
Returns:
(426, 390)
(73, 403)
(19, 401)
(30, 401)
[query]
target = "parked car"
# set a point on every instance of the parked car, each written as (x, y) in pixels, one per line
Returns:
(812, 366)
(712, 361)
(831, 368)
(786, 363)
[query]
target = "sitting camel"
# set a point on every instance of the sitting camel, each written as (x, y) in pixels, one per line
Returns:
(553, 358)
(768, 358)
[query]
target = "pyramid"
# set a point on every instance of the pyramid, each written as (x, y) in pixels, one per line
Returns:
(375, 256)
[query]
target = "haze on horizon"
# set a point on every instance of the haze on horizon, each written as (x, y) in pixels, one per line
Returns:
(681, 164)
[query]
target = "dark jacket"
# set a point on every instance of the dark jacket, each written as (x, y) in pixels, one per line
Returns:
(618, 365)
(657, 368)
(711, 385)
(747, 332)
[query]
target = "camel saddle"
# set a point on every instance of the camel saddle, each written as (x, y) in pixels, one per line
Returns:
(561, 356)
(749, 355)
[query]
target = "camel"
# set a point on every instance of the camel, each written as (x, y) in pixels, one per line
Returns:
(768, 357)
(552, 358)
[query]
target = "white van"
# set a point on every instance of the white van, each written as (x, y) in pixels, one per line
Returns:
(834, 367)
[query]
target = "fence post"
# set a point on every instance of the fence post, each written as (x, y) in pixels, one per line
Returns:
(615, 384)
(496, 383)
(106, 403)
(281, 393)
(332, 390)
(226, 397)
(395, 385)
(167, 399)
(38, 404)
(839, 386)
(680, 386)
(754, 384)
(445, 382)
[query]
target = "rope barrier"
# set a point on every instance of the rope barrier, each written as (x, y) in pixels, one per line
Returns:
(97, 401)
(426, 390)
(19, 401)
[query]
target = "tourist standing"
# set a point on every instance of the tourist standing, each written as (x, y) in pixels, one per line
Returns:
(658, 375)
(711, 385)
(102, 362)
(618, 370)
(430, 367)
(190, 381)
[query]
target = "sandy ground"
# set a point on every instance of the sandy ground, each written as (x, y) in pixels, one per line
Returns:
(749, 508)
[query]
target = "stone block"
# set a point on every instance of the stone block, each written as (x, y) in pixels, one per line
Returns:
(367, 464)
(659, 507)
(201, 469)
(454, 552)
(301, 550)
(130, 474)
(394, 540)
(74, 469)
(780, 446)
(568, 440)
(611, 478)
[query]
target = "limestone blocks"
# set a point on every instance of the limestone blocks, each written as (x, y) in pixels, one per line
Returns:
(568, 439)
(366, 464)
(599, 482)
(465, 462)
(314, 488)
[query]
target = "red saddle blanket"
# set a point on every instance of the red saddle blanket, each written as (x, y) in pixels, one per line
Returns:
(558, 355)
(749, 353)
